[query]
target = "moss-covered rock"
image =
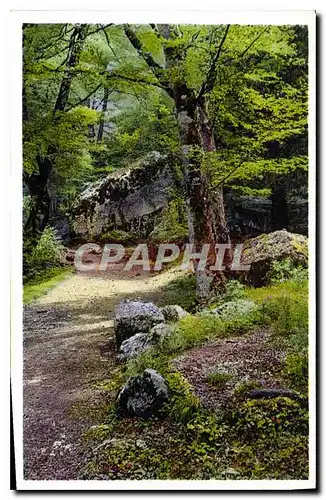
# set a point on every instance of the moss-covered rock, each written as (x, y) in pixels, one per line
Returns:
(260, 252)
(128, 200)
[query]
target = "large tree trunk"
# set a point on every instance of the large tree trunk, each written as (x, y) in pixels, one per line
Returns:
(206, 215)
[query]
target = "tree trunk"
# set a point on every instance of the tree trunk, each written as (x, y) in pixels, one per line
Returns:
(206, 215)
(102, 119)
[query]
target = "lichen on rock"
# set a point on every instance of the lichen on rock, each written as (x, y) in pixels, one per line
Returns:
(143, 395)
(130, 199)
(260, 252)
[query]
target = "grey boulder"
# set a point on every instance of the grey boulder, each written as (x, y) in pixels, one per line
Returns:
(132, 316)
(158, 333)
(140, 342)
(173, 313)
(143, 395)
(133, 346)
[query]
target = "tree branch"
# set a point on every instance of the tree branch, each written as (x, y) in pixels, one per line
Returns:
(102, 27)
(136, 80)
(136, 43)
(254, 41)
(249, 46)
(81, 101)
(211, 77)
(231, 173)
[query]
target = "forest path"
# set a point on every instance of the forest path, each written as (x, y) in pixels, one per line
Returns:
(68, 348)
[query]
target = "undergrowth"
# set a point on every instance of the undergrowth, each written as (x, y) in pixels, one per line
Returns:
(255, 439)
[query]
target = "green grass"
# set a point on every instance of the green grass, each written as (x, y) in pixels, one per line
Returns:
(44, 282)
(218, 379)
(287, 288)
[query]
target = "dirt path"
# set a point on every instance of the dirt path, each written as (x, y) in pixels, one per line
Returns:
(68, 347)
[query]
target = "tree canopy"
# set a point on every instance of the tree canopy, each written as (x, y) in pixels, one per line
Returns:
(231, 99)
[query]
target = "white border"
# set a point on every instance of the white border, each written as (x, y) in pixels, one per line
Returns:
(145, 16)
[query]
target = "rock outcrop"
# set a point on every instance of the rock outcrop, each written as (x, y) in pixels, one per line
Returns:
(130, 199)
(132, 316)
(249, 216)
(143, 396)
(260, 252)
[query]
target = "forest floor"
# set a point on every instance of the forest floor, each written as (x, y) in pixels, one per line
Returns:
(68, 347)
(71, 379)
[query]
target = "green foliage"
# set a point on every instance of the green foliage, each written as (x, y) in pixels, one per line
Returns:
(67, 136)
(260, 111)
(283, 457)
(192, 331)
(267, 417)
(243, 387)
(285, 309)
(207, 432)
(48, 250)
(233, 290)
(284, 270)
(117, 236)
(195, 330)
(183, 403)
(146, 125)
(288, 315)
(151, 358)
(287, 288)
(296, 369)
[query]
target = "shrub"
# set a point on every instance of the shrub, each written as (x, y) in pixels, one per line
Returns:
(272, 439)
(192, 331)
(236, 309)
(233, 290)
(289, 315)
(183, 404)
(296, 370)
(151, 358)
(117, 236)
(283, 457)
(267, 417)
(40, 254)
(247, 385)
(283, 270)
(206, 431)
(48, 250)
